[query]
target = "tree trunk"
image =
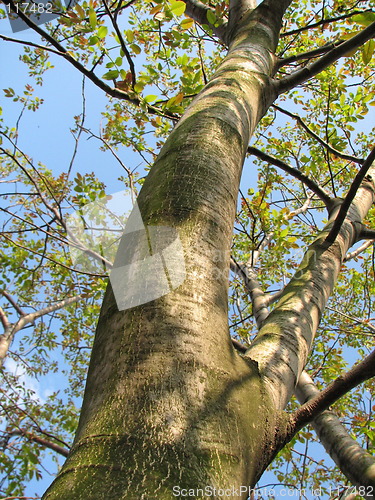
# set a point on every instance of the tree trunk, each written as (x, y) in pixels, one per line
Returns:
(168, 403)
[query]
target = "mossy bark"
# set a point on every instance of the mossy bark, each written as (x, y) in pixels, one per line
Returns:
(168, 402)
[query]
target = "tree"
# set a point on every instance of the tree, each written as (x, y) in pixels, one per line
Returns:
(172, 404)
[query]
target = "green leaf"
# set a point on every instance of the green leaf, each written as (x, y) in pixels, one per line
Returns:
(178, 7)
(367, 51)
(92, 18)
(138, 87)
(364, 19)
(186, 23)
(93, 40)
(136, 48)
(111, 75)
(211, 18)
(102, 31)
(284, 232)
(151, 98)
(129, 35)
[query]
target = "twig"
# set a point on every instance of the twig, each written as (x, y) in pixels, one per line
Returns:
(197, 11)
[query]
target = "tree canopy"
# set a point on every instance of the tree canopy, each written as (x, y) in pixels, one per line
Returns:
(285, 88)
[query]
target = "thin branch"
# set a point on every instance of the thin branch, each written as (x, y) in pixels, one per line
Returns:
(111, 91)
(323, 22)
(122, 42)
(359, 321)
(359, 250)
(52, 260)
(31, 44)
(359, 178)
(44, 442)
(302, 75)
(331, 149)
(10, 299)
(21, 498)
(361, 372)
(7, 337)
(64, 53)
(308, 55)
(315, 188)
(110, 148)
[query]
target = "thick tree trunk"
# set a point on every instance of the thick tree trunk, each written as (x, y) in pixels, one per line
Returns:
(168, 402)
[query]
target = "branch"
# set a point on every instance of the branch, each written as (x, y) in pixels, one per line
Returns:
(361, 372)
(359, 178)
(315, 188)
(367, 234)
(122, 43)
(358, 321)
(238, 346)
(324, 21)
(44, 442)
(197, 11)
(357, 464)
(10, 299)
(309, 71)
(31, 44)
(308, 55)
(332, 150)
(7, 337)
(358, 251)
(64, 53)
(237, 10)
(4, 319)
(12, 242)
(283, 344)
(254, 289)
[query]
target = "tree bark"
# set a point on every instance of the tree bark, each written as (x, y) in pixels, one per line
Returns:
(168, 401)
